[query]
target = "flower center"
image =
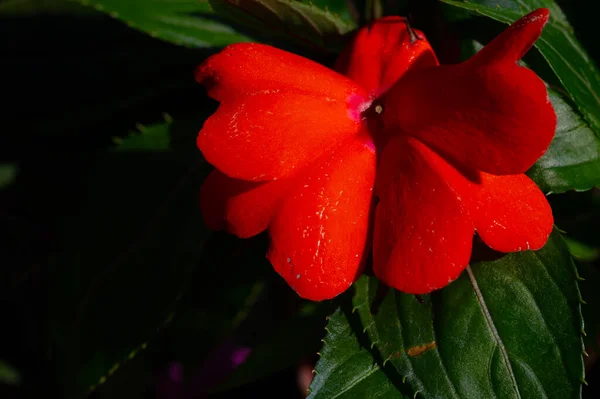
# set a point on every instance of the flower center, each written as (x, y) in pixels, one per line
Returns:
(372, 118)
(357, 106)
(368, 112)
(373, 112)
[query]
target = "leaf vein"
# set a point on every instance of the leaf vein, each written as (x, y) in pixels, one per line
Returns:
(490, 323)
(574, 70)
(443, 364)
(366, 375)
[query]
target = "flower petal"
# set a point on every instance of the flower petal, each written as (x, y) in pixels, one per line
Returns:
(272, 136)
(487, 113)
(512, 44)
(382, 52)
(240, 207)
(249, 68)
(423, 233)
(511, 213)
(319, 237)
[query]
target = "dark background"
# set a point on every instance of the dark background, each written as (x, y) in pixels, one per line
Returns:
(70, 82)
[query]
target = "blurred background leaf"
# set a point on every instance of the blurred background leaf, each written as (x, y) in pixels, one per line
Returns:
(125, 259)
(148, 138)
(582, 251)
(188, 23)
(8, 173)
(8, 374)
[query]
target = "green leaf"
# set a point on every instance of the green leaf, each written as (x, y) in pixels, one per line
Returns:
(508, 328)
(8, 173)
(581, 250)
(304, 24)
(559, 46)
(8, 374)
(519, 6)
(336, 7)
(573, 160)
(346, 369)
(189, 23)
(149, 138)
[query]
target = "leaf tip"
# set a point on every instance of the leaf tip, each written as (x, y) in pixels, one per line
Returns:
(168, 118)
(561, 231)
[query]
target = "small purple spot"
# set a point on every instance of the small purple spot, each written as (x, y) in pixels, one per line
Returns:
(239, 356)
(176, 372)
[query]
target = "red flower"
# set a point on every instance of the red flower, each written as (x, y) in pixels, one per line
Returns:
(296, 147)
